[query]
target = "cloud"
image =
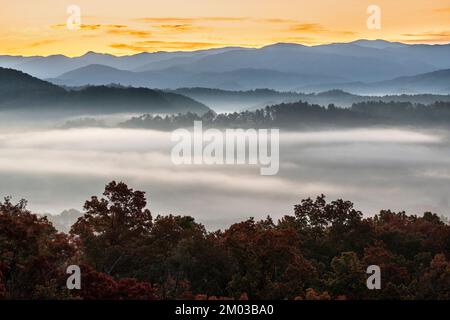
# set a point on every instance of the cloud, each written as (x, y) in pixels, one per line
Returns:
(42, 43)
(307, 27)
(114, 29)
(431, 36)
(317, 28)
(117, 26)
(230, 19)
(176, 26)
(181, 28)
(188, 19)
(124, 30)
(88, 27)
(363, 135)
(375, 168)
(58, 26)
(130, 32)
(164, 20)
(428, 34)
(156, 45)
(277, 20)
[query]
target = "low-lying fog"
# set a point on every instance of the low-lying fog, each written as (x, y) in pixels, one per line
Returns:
(375, 168)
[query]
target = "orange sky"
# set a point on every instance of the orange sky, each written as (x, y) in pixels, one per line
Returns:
(38, 27)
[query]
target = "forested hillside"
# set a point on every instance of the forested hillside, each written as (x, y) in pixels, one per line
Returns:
(302, 115)
(22, 92)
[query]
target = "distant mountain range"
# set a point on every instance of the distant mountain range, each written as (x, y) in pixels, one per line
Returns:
(176, 77)
(230, 101)
(437, 82)
(22, 92)
(363, 66)
(55, 65)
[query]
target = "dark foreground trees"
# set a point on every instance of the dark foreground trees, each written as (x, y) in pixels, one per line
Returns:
(320, 252)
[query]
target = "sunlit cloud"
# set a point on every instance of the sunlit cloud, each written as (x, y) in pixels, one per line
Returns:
(156, 45)
(164, 20)
(428, 34)
(58, 26)
(277, 20)
(42, 43)
(391, 166)
(88, 27)
(117, 26)
(113, 29)
(440, 36)
(316, 28)
(307, 27)
(189, 19)
(231, 19)
(143, 154)
(176, 28)
(130, 32)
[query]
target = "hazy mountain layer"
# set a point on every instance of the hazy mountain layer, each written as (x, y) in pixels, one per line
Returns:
(360, 65)
(22, 92)
(230, 101)
(437, 82)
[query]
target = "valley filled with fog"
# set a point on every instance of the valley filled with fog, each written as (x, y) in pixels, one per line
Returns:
(377, 168)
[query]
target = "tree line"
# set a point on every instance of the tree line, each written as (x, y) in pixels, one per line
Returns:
(303, 115)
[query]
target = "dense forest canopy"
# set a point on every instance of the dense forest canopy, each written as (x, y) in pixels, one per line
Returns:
(320, 251)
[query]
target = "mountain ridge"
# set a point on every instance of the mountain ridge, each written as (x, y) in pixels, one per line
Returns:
(435, 82)
(20, 91)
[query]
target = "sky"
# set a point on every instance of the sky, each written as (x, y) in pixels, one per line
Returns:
(39, 27)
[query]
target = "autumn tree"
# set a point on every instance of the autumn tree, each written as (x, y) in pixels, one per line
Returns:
(435, 282)
(327, 229)
(100, 286)
(113, 227)
(267, 261)
(395, 275)
(175, 255)
(33, 255)
(348, 277)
